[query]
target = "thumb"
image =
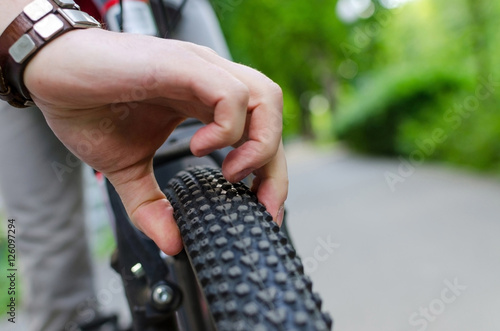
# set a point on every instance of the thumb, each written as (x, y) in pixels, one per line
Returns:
(149, 209)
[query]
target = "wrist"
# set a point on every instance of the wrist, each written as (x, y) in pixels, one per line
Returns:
(40, 22)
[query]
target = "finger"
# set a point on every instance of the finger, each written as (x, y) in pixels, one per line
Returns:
(148, 208)
(230, 100)
(271, 185)
(265, 103)
(263, 125)
(261, 152)
(262, 141)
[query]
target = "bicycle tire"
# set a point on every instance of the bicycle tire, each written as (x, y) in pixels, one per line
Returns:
(249, 273)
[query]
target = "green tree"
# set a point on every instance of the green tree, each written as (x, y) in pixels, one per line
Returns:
(423, 73)
(295, 42)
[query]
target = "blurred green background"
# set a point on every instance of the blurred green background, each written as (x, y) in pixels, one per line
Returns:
(417, 79)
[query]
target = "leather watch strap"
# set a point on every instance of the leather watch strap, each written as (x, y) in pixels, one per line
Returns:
(40, 22)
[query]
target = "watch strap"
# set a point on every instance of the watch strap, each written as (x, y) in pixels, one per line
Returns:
(40, 22)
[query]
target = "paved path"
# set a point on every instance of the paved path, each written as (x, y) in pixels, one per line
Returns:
(423, 257)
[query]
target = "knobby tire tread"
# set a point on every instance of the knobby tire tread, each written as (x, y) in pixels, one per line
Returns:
(250, 274)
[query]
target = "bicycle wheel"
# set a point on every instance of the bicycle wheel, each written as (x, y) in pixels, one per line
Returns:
(250, 274)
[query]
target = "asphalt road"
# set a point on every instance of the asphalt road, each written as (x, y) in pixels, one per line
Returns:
(418, 252)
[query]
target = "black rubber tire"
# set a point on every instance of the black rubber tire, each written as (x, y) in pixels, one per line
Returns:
(250, 274)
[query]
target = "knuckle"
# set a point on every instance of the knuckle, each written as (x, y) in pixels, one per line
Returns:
(267, 147)
(276, 125)
(275, 89)
(229, 133)
(270, 137)
(237, 93)
(274, 92)
(205, 49)
(241, 92)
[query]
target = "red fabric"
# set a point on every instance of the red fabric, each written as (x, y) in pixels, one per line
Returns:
(89, 7)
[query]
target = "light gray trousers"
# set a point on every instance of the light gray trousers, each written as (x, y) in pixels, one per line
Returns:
(48, 205)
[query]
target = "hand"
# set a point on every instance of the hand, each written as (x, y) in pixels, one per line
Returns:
(113, 99)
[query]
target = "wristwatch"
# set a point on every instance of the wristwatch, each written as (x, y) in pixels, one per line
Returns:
(40, 22)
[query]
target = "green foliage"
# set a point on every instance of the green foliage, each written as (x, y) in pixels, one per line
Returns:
(395, 81)
(387, 107)
(417, 89)
(294, 42)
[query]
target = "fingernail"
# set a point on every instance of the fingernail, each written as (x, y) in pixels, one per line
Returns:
(281, 215)
(243, 174)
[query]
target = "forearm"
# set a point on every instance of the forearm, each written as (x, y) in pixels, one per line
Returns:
(9, 9)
